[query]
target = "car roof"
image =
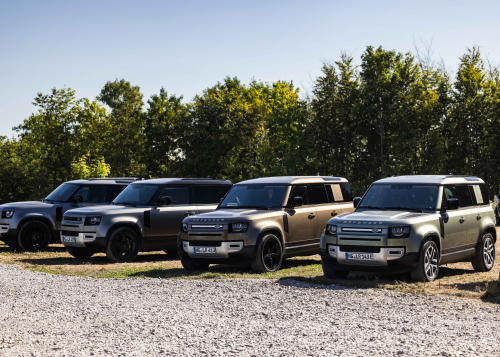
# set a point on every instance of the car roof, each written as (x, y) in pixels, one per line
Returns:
(107, 180)
(436, 179)
(185, 181)
(294, 180)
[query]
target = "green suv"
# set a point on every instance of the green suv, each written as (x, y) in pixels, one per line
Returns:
(413, 223)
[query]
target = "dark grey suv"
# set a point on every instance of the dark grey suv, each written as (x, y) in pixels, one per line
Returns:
(146, 216)
(33, 225)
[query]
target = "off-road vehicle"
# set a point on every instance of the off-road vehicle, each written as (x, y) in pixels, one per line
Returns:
(33, 225)
(146, 216)
(413, 223)
(262, 221)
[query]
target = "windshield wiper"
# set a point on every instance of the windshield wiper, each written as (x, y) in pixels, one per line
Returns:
(126, 203)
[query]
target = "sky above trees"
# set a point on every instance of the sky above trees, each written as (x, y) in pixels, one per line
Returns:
(187, 46)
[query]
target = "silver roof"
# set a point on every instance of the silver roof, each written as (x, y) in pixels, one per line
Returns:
(294, 179)
(436, 179)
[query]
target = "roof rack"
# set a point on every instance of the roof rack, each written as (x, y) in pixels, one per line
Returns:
(116, 178)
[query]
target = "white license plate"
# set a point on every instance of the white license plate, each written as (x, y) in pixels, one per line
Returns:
(205, 250)
(69, 239)
(359, 256)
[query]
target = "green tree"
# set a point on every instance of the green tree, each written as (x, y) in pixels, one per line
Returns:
(125, 140)
(85, 167)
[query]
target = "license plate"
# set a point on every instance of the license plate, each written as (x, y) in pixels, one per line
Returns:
(69, 239)
(359, 256)
(205, 250)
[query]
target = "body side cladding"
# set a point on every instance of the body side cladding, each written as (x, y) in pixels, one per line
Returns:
(147, 218)
(434, 236)
(59, 214)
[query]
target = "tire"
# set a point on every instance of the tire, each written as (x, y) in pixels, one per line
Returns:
(484, 260)
(80, 252)
(188, 264)
(428, 263)
(34, 236)
(269, 255)
(123, 245)
(332, 273)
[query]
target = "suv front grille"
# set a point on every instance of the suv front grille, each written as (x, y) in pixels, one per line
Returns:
(359, 249)
(74, 219)
(204, 243)
(70, 233)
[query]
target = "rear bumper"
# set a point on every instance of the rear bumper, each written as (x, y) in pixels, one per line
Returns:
(382, 261)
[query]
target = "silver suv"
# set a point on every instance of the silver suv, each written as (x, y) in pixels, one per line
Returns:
(413, 223)
(32, 226)
(261, 221)
(146, 216)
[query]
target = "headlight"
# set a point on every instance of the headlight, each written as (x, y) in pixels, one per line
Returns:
(400, 232)
(7, 214)
(184, 227)
(331, 230)
(239, 227)
(92, 221)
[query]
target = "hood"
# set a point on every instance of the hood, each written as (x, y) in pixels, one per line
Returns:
(105, 209)
(377, 216)
(227, 213)
(27, 205)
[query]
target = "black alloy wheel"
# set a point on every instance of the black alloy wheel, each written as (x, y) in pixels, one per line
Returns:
(34, 236)
(269, 255)
(123, 245)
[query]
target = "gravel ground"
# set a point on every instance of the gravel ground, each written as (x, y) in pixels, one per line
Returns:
(46, 315)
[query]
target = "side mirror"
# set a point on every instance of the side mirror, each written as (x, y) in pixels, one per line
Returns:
(163, 201)
(356, 201)
(78, 198)
(168, 200)
(453, 203)
(298, 201)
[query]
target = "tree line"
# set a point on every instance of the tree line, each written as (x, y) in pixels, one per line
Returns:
(394, 114)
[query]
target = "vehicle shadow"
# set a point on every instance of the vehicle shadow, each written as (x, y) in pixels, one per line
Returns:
(490, 289)
(4, 248)
(99, 260)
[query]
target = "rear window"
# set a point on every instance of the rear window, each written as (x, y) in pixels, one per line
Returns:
(210, 194)
(317, 195)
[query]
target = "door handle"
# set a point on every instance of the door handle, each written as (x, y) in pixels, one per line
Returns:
(478, 217)
(312, 215)
(334, 213)
(462, 220)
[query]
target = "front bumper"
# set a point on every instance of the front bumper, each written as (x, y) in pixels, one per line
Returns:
(76, 239)
(8, 234)
(388, 259)
(232, 252)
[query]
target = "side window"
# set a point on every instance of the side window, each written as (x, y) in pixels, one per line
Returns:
(464, 196)
(113, 191)
(448, 192)
(317, 194)
(179, 195)
(337, 193)
(476, 195)
(300, 191)
(205, 195)
(484, 193)
(345, 188)
(93, 193)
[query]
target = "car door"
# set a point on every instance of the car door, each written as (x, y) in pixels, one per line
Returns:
(454, 226)
(165, 221)
(302, 221)
(321, 196)
(478, 207)
(92, 195)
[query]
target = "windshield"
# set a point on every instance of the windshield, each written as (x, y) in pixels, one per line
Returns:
(401, 196)
(255, 196)
(62, 193)
(138, 194)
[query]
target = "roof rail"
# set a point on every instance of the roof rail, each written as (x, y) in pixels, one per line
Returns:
(117, 178)
(205, 178)
(461, 176)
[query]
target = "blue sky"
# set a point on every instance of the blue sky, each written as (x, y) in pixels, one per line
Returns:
(186, 46)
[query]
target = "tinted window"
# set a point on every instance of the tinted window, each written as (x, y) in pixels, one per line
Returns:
(345, 188)
(255, 196)
(484, 192)
(317, 194)
(136, 194)
(464, 196)
(448, 192)
(329, 193)
(178, 195)
(401, 196)
(210, 194)
(93, 193)
(300, 191)
(63, 192)
(113, 191)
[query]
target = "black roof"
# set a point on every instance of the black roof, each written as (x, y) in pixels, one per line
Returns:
(186, 181)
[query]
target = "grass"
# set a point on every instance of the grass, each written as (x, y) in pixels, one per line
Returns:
(457, 279)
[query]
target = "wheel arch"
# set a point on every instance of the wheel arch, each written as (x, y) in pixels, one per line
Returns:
(40, 218)
(489, 229)
(130, 225)
(434, 236)
(271, 230)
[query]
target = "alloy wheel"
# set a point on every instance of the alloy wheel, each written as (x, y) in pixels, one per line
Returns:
(431, 263)
(271, 254)
(488, 252)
